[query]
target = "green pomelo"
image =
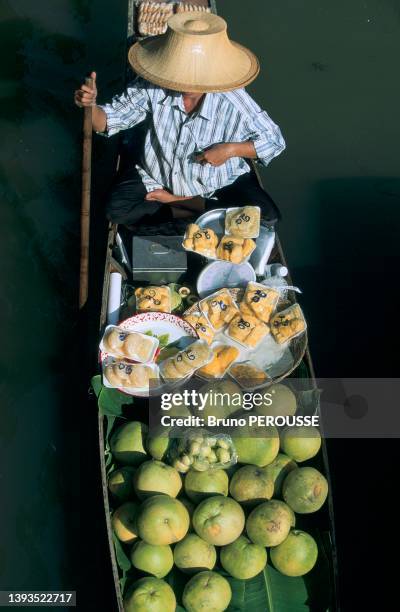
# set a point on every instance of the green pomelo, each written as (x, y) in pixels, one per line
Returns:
(242, 559)
(258, 451)
(128, 443)
(301, 443)
(162, 520)
(157, 446)
(153, 477)
(150, 595)
(199, 485)
(190, 507)
(278, 470)
(269, 523)
(251, 485)
(151, 559)
(124, 522)
(192, 554)
(297, 555)
(218, 520)
(207, 591)
(120, 483)
(281, 402)
(305, 490)
(223, 399)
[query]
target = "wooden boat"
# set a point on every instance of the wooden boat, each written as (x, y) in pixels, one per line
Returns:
(318, 592)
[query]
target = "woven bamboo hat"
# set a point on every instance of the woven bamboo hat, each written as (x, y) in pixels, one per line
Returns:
(194, 55)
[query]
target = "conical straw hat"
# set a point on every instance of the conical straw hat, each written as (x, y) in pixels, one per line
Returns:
(194, 55)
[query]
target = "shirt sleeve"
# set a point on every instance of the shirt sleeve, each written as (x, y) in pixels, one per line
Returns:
(127, 109)
(266, 136)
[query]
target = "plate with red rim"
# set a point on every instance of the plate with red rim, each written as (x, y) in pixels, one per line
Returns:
(167, 327)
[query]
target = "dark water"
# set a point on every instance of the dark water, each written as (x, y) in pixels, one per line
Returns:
(329, 78)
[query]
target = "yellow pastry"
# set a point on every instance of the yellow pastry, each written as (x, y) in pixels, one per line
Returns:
(200, 240)
(287, 324)
(201, 325)
(235, 249)
(118, 373)
(247, 329)
(129, 375)
(138, 347)
(140, 376)
(224, 356)
(113, 341)
(243, 222)
(187, 361)
(156, 299)
(260, 301)
(219, 309)
(248, 375)
(113, 376)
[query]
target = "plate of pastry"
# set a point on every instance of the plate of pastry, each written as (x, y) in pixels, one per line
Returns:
(145, 339)
(228, 236)
(229, 232)
(255, 334)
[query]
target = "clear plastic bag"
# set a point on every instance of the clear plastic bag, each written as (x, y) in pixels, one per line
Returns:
(260, 300)
(201, 325)
(209, 235)
(181, 366)
(241, 221)
(212, 253)
(288, 324)
(249, 376)
(125, 344)
(247, 330)
(153, 298)
(129, 377)
(200, 450)
(224, 355)
(219, 308)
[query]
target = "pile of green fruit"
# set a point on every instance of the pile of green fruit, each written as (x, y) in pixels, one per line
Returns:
(201, 451)
(213, 523)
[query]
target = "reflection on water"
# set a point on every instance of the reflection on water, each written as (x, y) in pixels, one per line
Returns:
(313, 87)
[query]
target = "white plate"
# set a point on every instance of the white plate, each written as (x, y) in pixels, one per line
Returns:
(219, 274)
(158, 323)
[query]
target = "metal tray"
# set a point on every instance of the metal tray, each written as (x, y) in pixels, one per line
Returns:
(215, 220)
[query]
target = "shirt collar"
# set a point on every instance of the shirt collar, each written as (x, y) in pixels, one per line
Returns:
(174, 98)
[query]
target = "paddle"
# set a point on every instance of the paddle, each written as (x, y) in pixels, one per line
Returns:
(85, 201)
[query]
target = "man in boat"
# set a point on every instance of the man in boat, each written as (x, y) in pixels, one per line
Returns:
(201, 125)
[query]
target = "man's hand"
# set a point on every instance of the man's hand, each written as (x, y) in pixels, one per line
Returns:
(216, 155)
(85, 95)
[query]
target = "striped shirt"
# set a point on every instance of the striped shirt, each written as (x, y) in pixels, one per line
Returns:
(174, 137)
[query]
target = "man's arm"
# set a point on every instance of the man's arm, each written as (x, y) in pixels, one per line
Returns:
(122, 113)
(265, 135)
(220, 153)
(258, 138)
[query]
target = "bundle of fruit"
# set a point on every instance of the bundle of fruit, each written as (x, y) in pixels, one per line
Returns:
(201, 451)
(216, 526)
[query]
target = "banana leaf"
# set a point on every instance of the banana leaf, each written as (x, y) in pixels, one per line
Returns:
(270, 591)
(110, 401)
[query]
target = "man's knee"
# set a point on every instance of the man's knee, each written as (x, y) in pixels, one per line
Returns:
(269, 210)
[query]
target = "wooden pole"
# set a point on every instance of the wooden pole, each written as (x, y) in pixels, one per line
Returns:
(85, 202)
